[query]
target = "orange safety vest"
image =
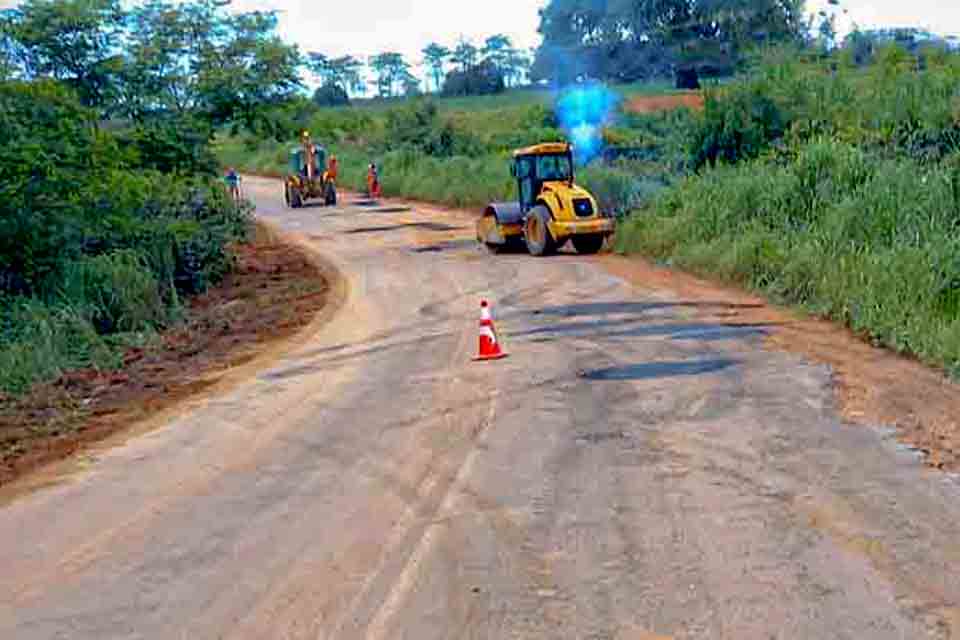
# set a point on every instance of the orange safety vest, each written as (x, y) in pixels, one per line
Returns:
(373, 183)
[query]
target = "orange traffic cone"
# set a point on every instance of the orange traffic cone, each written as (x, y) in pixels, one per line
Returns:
(489, 344)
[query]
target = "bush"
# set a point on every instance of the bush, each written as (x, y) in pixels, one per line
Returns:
(104, 230)
(867, 241)
(331, 95)
(479, 80)
(618, 189)
(890, 107)
(40, 342)
(173, 145)
(419, 126)
(115, 291)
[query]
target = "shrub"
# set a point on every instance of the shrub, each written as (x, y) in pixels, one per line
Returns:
(331, 95)
(115, 291)
(867, 241)
(419, 126)
(482, 79)
(104, 230)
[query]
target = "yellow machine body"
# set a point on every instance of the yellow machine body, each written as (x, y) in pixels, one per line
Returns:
(547, 192)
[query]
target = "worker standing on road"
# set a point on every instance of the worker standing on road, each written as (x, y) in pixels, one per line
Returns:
(373, 181)
(232, 178)
(332, 168)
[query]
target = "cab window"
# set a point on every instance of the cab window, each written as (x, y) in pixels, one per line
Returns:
(554, 167)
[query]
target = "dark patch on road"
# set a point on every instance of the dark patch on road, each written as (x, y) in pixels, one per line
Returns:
(338, 357)
(445, 246)
(430, 226)
(651, 370)
(611, 308)
(602, 436)
(625, 329)
(386, 209)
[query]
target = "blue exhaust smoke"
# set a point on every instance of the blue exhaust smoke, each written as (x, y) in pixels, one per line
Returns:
(583, 111)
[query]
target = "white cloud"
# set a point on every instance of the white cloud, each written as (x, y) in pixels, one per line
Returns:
(366, 27)
(936, 15)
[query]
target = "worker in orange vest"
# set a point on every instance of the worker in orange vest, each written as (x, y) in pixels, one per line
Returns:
(332, 168)
(373, 181)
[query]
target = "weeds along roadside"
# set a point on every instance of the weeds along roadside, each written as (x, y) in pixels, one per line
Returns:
(100, 245)
(831, 187)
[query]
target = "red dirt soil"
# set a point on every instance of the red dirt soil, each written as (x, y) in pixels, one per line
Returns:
(276, 290)
(653, 104)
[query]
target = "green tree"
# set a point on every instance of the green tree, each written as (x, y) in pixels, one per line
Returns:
(318, 65)
(411, 85)
(496, 50)
(163, 58)
(516, 67)
(74, 41)
(345, 72)
(635, 39)
(8, 67)
(435, 57)
(248, 75)
(391, 69)
(465, 55)
(342, 72)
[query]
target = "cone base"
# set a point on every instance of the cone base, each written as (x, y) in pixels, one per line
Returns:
(493, 357)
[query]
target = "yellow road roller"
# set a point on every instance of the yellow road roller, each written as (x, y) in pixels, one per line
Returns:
(550, 208)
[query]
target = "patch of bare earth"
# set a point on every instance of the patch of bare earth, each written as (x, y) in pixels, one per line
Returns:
(874, 386)
(654, 104)
(275, 291)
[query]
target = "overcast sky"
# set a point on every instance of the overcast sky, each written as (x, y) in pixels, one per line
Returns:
(365, 27)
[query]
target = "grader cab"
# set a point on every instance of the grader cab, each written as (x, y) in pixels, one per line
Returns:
(550, 208)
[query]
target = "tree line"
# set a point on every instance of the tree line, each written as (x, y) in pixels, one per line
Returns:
(640, 40)
(635, 40)
(464, 69)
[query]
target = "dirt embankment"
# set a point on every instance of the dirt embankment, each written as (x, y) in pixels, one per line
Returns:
(276, 290)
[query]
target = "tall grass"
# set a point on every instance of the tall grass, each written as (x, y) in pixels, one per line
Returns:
(868, 242)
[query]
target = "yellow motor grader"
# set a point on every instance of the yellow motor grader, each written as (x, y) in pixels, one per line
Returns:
(309, 176)
(550, 209)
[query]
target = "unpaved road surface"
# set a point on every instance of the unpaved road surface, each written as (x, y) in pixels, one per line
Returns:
(628, 472)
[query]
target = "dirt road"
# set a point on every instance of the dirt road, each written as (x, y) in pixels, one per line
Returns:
(629, 472)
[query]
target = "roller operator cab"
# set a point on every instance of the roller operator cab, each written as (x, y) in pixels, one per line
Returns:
(550, 208)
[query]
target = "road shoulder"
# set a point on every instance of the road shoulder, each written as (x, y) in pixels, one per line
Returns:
(279, 291)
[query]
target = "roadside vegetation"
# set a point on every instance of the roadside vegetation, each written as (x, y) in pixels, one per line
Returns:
(110, 204)
(830, 185)
(98, 249)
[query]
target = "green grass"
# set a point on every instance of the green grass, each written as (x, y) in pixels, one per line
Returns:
(871, 244)
(834, 189)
